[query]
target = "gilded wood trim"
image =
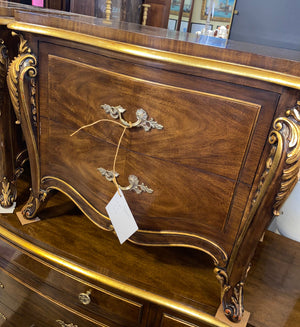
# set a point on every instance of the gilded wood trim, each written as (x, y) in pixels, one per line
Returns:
(163, 56)
(60, 185)
(152, 83)
(46, 180)
(221, 252)
(285, 130)
(21, 82)
(6, 20)
(110, 282)
(48, 298)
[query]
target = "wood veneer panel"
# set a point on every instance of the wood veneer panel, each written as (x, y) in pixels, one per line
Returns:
(200, 130)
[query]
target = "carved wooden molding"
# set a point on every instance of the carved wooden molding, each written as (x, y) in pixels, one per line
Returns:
(290, 173)
(285, 148)
(21, 81)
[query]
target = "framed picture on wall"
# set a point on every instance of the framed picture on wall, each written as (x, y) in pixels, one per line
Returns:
(187, 7)
(184, 26)
(221, 9)
(172, 24)
(197, 27)
(175, 7)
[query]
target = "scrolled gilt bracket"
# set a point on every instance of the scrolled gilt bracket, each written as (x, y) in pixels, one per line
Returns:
(290, 175)
(33, 204)
(24, 65)
(284, 139)
(133, 182)
(141, 115)
(234, 308)
(64, 324)
(21, 81)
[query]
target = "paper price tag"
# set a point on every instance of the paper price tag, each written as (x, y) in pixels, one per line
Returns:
(8, 210)
(121, 217)
(38, 3)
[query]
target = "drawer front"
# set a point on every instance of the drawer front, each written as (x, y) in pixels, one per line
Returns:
(207, 151)
(20, 306)
(169, 320)
(97, 302)
(193, 122)
(86, 299)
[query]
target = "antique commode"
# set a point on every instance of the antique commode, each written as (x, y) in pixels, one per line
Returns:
(210, 147)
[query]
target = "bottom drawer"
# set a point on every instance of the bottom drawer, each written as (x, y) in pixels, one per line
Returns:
(168, 320)
(21, 306)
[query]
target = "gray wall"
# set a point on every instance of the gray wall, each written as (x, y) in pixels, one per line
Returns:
(268, 22)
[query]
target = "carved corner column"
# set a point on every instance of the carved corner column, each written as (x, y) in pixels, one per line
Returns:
(276, 183)
(21, 81)
(8, 190)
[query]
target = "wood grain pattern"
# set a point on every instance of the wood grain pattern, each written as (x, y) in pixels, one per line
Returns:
(19, 300)
(281, 60)
(85, 85)
(204, 166)
(207, 117)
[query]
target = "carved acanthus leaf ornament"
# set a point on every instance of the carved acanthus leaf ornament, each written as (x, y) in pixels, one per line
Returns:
(284, 129)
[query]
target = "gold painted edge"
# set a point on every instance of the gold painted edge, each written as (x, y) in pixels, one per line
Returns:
(163, 56)
(202, 238)
(129, 289)
(6, 20)
(72, 189)
(45, 179)
(267, 180)
(50, 299)
(155, 83)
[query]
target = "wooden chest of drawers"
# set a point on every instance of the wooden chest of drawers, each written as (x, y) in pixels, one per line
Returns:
(45, 281)
(210, 147)
(52, 296)
(45, 266)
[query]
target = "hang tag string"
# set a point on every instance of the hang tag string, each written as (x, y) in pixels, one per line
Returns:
(96, 122)
(115, 159)
(118, 146)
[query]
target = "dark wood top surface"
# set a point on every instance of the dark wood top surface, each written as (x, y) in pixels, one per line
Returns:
(272, 290)
(274, 59)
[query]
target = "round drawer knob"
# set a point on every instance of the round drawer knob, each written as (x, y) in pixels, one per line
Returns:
(84, 298)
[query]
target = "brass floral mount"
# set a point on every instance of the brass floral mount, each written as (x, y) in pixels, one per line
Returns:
(133, 182)
(142, 122)
(141, 115)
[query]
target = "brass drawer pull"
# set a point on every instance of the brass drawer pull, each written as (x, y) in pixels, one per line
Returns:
(133, 182)
(63, 324)
(3, 316)
(1, 285)
(84, 298)
(141, 115)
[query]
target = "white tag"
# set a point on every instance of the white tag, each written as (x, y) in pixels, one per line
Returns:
(8, 210)
(121, 217)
